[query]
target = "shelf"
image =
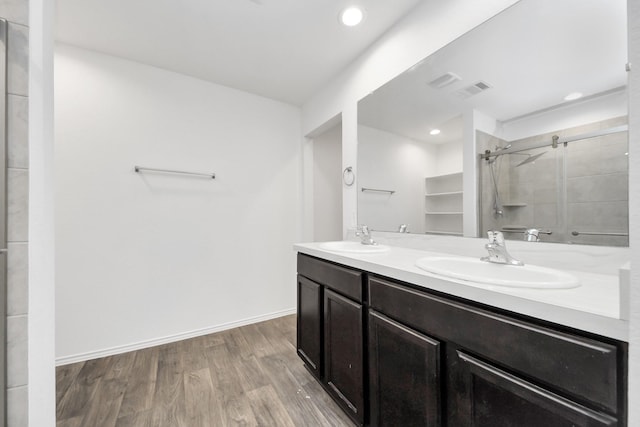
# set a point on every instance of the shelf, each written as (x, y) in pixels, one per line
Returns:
(448, 193)
(514, 205)
(449, 175)
(443, 213)
(450, 233)
(443, 183)
(443, 204)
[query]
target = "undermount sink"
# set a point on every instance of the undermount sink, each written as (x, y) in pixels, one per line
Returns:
(488, 273)
(353, 247)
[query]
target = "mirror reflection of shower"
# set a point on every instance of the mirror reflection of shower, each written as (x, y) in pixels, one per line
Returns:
(494, 171)
(570, 185)
(492, 159)
(492, 162)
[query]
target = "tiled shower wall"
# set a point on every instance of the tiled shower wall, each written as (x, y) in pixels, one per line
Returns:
(16, 12)
(531, 194)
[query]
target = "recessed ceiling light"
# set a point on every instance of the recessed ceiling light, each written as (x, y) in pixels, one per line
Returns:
(351, 16)
(435, 131)
(573, 96)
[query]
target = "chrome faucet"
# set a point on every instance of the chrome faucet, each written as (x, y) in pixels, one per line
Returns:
(498, 250)
(402, 228)
(365, 236)
(532, 235)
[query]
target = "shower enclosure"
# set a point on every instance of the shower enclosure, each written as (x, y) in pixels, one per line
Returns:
(570, 185)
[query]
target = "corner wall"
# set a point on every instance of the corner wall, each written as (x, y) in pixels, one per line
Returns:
(406, 164)
(149, 258)
(42, 376)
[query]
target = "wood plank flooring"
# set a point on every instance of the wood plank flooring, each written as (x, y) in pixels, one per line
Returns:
(248, 376)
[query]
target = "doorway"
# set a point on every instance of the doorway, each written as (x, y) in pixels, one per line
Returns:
(327, 182)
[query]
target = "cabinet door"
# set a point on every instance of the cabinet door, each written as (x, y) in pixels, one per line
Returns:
(404, 368)
(309, 327)
(486, 396)
(343, 344)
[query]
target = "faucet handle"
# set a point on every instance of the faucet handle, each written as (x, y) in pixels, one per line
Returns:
(496, 236)
(363, 230)
(365, 236)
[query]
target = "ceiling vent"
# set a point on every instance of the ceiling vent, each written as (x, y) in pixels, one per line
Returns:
(474, 89)
(444, 80)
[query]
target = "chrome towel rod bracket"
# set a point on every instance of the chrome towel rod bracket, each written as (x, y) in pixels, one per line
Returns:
(140, 169)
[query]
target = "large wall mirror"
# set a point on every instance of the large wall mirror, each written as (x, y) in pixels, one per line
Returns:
(537, 96)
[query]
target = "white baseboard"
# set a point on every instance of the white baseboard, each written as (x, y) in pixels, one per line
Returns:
(66, 360)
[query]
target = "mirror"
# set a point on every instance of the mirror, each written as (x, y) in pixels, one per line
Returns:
(538, 70)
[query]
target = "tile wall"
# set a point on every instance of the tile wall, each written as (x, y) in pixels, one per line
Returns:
(532, 194)
(16, 12)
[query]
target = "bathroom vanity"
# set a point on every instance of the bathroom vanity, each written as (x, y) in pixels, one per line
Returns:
(394, 347)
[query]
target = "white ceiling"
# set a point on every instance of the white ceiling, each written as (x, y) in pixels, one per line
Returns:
(280, 49)
(532, 55)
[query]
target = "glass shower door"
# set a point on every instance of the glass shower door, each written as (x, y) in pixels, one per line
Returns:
(573, 188)
(535, 177)
(597, 189)
(521, 190)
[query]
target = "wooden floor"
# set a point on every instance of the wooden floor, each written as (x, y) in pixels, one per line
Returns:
(248, 376)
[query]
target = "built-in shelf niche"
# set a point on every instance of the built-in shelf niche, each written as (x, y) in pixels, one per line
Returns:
(443, 204)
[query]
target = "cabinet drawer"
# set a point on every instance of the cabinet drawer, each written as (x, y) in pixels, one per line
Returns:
(579, 367)
(341, 279)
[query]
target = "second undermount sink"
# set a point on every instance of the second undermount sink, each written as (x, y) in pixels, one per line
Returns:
(488, 273)
(353, 247)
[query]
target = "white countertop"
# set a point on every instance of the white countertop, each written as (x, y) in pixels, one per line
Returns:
(592, 307)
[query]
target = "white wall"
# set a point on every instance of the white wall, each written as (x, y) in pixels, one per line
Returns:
(450, 158)
(41, 335)
(572, 115)
(146, 256)
(327, 185)
(393, 162)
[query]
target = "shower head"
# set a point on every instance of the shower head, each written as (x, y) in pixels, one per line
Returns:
(531, 158)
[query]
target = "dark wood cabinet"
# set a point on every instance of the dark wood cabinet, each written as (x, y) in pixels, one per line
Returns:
(491, 397)
(502, 371)
(343, 352)
(331, 330)
(404, 375)
(392, 354)
(309, 327)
